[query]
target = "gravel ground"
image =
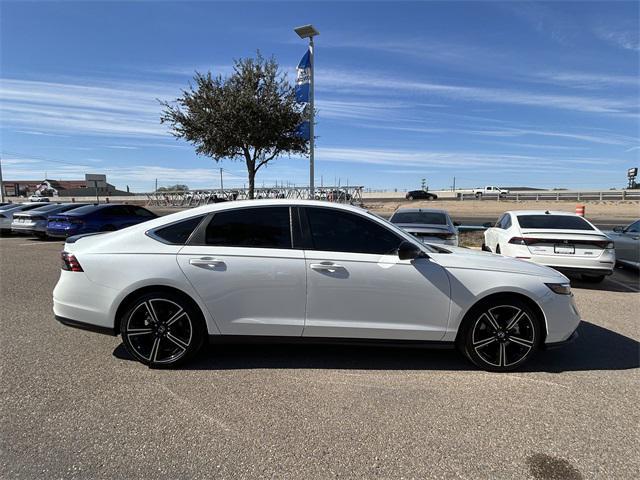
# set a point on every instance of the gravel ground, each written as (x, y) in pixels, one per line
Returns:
(75, 406)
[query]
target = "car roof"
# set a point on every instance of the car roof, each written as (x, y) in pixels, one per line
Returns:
(428, 210)
(540, 212)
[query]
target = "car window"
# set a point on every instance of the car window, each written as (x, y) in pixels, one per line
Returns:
(177, 233)
(431, 218)
(87, 209)
(634, 227)
(141, 212)
(506, 221)
(117, 211)
(499, 222)
(266, 227)
(554, 222)
(47, 208)
(339, 231)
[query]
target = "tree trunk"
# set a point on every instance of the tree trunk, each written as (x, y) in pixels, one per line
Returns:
(252, 181)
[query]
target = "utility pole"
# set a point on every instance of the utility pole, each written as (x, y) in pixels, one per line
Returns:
(156, 185)
(454, 184)
(221, 184)
(1, 184)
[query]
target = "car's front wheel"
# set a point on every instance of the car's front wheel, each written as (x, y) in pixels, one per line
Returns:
(500, 335)
(162, 329)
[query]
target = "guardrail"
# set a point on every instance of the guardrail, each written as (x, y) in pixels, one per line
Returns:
(196, 198)
(556, 196)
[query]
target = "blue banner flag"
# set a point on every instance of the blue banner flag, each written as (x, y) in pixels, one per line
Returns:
(303, 78)
(304, 131)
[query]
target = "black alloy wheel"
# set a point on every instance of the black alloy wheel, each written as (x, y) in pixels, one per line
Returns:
(162, 330)
(501, 335)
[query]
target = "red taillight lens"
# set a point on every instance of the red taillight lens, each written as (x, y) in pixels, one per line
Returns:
(70, 262)
(518, 241)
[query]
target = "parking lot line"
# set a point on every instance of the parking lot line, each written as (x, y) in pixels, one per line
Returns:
(620, 284)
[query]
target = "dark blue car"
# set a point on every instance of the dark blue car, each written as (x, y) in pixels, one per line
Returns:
(96, 218)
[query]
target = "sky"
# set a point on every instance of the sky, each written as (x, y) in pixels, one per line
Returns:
(543, 94)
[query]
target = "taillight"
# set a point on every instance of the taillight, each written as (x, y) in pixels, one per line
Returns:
(70, 262)
(518, 241)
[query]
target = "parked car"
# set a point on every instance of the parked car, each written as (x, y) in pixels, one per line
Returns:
(304, 271)
(490, 190)
(420, 195)
(34, 222)
(7, 212)
(96, 218)
(38, 198)
(338, 196)
(428, 225)
(627, 244)
(561, 240)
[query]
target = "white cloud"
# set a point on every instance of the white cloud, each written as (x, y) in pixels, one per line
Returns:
(367, 83)
(627, 39)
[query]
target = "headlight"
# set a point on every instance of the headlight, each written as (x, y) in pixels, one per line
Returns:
(560, 288)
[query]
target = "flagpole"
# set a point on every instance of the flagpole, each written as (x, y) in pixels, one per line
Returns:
(311, 126)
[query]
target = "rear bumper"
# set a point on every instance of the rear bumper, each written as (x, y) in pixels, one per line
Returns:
(86, 326)
(584, 270)
(572, 338)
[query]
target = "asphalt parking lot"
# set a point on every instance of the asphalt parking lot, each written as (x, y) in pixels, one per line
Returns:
(75, 406)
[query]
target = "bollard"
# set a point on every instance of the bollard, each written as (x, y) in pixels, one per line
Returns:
(580, 210)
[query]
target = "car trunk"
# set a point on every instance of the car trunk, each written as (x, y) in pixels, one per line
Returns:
(572, 243)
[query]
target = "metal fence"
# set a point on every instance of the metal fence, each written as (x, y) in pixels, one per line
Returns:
(556, 196)
(196, 198)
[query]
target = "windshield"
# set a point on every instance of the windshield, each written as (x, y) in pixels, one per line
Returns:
(430, 218)
(553, 222)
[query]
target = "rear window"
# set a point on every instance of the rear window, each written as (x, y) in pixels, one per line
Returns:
(553, 222)
(84, 210)
(177, 233)
(264, 227)
(430, 218)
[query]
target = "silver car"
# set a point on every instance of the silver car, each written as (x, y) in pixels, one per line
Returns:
(35, 221)
(7, 212)
(627, 244)
(428, 225)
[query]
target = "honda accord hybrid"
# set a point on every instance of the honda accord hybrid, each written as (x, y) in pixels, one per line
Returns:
(305, 271)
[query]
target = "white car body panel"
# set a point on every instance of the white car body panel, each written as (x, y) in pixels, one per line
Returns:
(249, 291)
(258, 291)
(375, 296)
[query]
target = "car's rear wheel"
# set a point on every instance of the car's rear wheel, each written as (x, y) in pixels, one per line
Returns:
(162, 329)
(593, 278)
(410, 197)
(500, 335)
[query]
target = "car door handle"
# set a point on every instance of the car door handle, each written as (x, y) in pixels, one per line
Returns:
(326, 267)
(206, 262)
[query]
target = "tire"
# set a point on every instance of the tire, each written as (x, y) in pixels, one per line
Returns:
(497, 249)
(485, 248)
(410, 197)
(162, 329)
(478, 195)
(500, 335)
(592, 278)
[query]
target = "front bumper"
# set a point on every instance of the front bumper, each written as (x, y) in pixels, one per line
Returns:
(585, 270)
(552, 345)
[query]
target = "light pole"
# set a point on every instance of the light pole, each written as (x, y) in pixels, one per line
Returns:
(308, 31)
(1, 185)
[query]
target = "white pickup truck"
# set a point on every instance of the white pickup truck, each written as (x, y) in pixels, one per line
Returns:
(489, 190)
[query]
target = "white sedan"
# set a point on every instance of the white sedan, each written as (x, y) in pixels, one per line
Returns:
(304, 271)
(564, 241)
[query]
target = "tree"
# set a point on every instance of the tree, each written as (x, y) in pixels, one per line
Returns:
(174, 188)
(252, 115)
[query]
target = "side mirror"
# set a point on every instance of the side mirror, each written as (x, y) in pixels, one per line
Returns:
(409, 251)
(456, 224)
(487, 225)
(618, 229)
